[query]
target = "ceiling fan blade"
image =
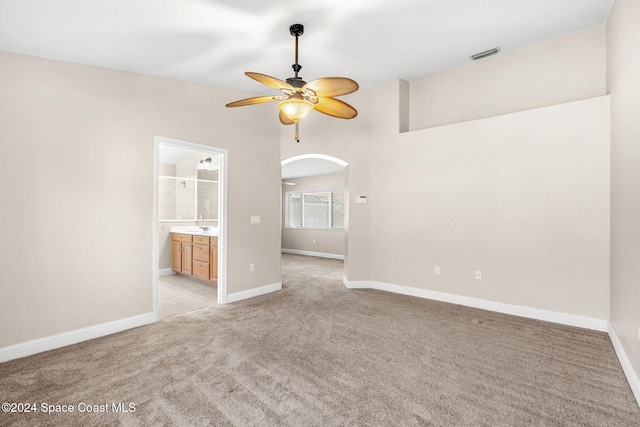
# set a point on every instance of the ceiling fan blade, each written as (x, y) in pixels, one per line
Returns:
(270, 81)
(332, 86)
(336, 108)
(285, 120)
(256, 100)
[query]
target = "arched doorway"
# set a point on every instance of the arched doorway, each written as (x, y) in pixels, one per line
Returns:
(314, 206)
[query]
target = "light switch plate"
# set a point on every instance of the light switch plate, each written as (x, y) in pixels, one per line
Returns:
(361, 199)
(255, 219)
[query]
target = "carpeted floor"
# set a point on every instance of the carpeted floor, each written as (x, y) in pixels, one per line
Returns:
(317, 354)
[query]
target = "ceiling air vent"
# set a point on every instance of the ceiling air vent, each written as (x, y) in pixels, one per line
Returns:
(485, 53)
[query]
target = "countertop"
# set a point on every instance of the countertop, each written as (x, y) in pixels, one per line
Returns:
(196, 231)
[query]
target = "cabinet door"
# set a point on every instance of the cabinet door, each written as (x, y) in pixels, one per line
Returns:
(187, 255)
(213, 262)
(176, 256)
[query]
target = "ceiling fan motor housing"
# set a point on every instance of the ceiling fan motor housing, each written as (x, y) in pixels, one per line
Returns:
(296, 81)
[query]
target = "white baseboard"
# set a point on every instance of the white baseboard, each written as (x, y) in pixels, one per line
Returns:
(310, 253)
(515, 310)
(632, 376)
(356, 284)
(239, 296)
(166, 272)
(52, 342)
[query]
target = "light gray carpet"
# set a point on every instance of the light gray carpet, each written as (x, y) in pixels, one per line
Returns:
(317, 354)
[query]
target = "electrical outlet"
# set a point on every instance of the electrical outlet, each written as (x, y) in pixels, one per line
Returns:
(314, 240)
(638, 333)
(478, 274)
(252, 268)
(255, 219)
(436, 269)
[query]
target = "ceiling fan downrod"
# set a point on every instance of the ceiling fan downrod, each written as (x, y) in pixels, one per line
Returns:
(296, 31)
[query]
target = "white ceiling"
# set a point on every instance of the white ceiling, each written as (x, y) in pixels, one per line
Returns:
(215, 41)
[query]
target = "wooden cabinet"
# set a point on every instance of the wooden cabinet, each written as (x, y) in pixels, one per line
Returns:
(201, 260)
(195, 255)
(187, 257)
(176, 256)
(181, 253)
(201, 252)
(213, 248)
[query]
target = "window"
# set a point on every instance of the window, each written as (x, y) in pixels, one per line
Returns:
(314, 209)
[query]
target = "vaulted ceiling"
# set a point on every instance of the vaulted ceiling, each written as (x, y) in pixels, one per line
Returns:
(215, 41)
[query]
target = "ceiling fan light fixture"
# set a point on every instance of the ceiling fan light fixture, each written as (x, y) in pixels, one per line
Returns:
(295, 107)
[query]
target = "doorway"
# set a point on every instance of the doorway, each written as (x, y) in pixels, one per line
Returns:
(189, 195)
(315, 206)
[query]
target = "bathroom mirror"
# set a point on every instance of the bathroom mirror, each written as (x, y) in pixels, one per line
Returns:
(188, 192)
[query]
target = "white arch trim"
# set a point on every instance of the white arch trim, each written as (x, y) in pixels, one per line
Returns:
(314, 156)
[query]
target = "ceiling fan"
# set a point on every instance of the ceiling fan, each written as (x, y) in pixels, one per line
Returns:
(300, 97)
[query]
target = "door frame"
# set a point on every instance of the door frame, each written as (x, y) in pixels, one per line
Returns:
(347, 186)
(222, 215)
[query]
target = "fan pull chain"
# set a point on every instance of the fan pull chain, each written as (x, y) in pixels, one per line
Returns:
(296, 135)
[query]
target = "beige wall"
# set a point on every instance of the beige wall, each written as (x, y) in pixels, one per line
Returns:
(80, 251)
(566, 69)
(326, 241)
(623, 82)
(523, 197)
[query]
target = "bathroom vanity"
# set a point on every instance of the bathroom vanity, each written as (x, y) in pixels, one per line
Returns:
(195, 252)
